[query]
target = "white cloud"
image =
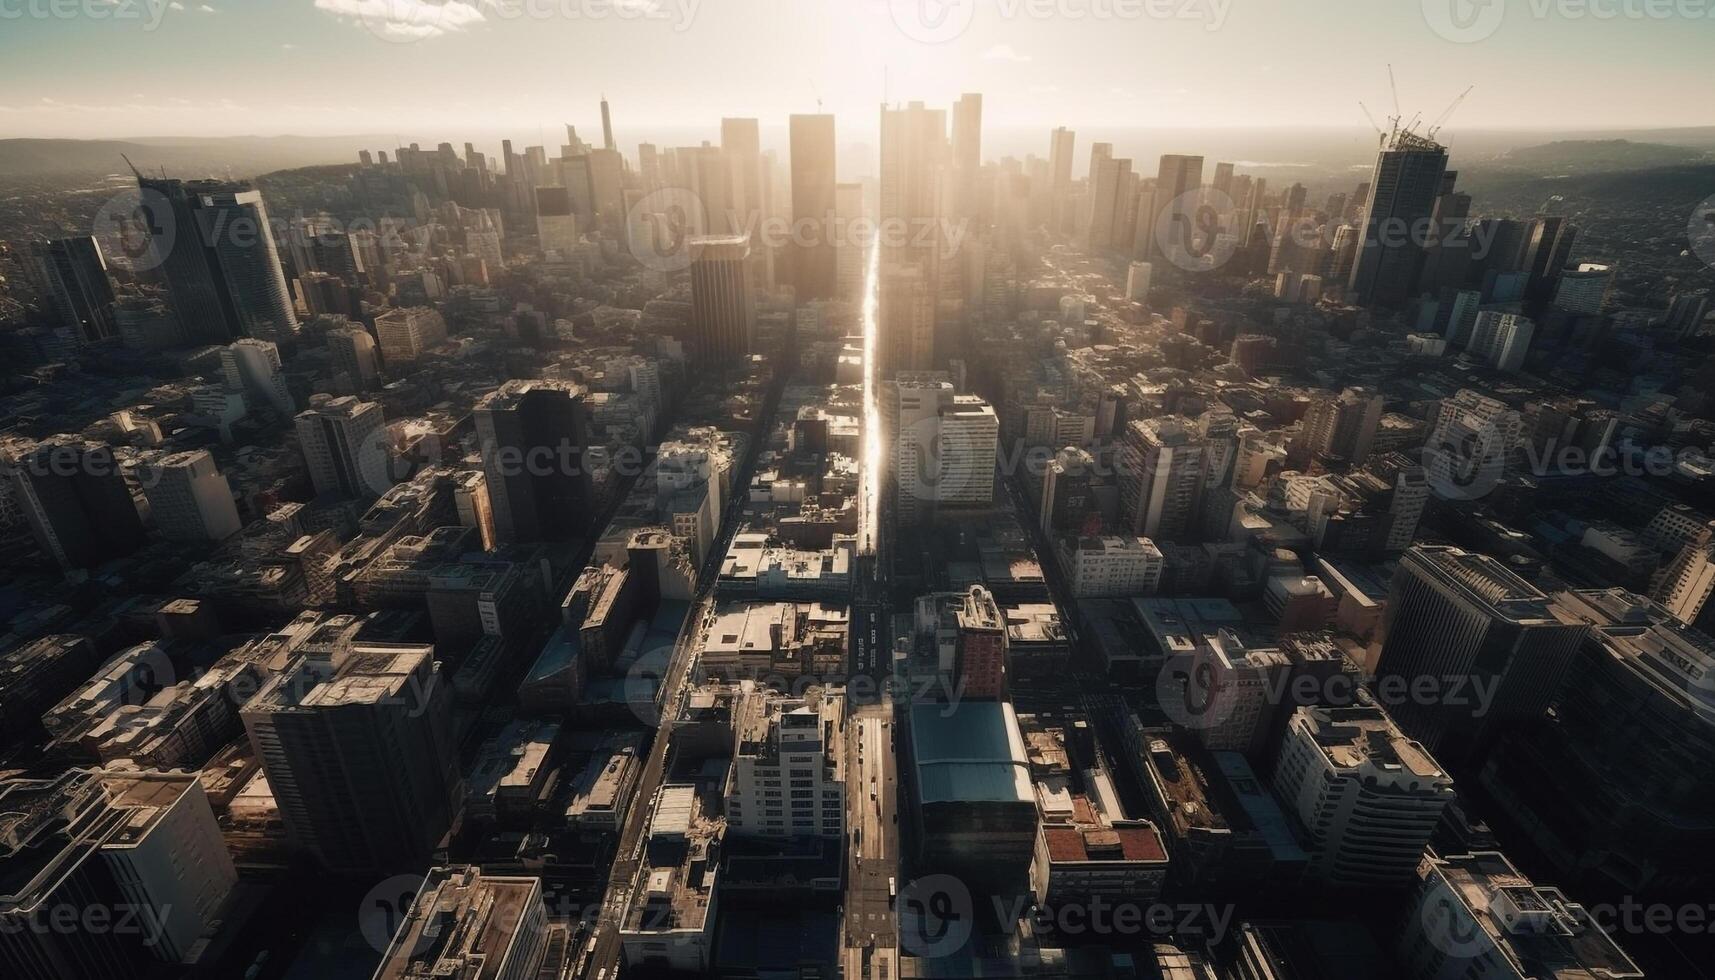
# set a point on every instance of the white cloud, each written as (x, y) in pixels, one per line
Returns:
(1004, 52)
(205, 8)
(409, 19)
(175, 5)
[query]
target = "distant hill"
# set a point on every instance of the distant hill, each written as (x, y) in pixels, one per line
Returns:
(1597, 156)
(239, 156)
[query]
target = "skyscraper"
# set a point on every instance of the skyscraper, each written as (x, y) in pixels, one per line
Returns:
(944, 447)
(356, 745)
(74, 498)
(189, 499)
(1178, 179)
(812, 148)
(1501, 339)
(406, 333)
(741, 141)
(344, 442)
(253, 367)
(1161, 479)
(967, 154)
(905, 321)
(1062, 143)
(352, 352)
(1403, 192)
(1495, 646)
(532, 435)
(723, 311)
(75, 275)
(556, 222)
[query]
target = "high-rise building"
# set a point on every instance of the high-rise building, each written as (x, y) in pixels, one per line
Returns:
(189, 499)
(75, 276)
(253, 367)
(783, 741)
(463, 923)
(356, 744)
(1501, 339)
(405, 334)
(532, 434)
(233, 224)
(344, 442)
(741, 142)
(905, 321)
(812, 150)
(1547, 252)
(1496, 648)
(1062, 143)
(74, 498)
(1476, 915)
(1584, 290)
(1178, 181)
(1068, 498)
(1685, 315)
(1344, 426)
(967, 155)
(1112, 187)
(1403, 191)
(723, 309)
(944, 449)
(556, 222)
(1137, 277)
(1161, 480)
(1689, 579)
(849, 256)
(1113, 566)
(352, 355)
(1367, 796)
(108, 872)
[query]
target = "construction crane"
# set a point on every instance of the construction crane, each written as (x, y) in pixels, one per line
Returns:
(1394, 88)
(1381, 136)
(1447, 113)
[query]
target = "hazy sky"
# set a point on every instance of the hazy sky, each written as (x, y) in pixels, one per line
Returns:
(431, 71)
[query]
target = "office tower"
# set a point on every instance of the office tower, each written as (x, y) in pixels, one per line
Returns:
(1685, 315)
(1112, 185)
(944, 448)
(1068, 498)
(1343, 426)
(108, 873)
(356, 744)
(233, 223)
(344, 442)
(979, 647)
(253, 367)
(607, 127)
(1689, 579)
(849, 258)
(1222, 185)
(1471, 444)
(1495, 646)
(1501, 339)
(1137, 277)
(1476, 915)
(1178, 182)
(1367, 796)
(723, 310)
(788, 741)
(1406, 499)
(905, 321)
(967, 159)
(1405, 186)
(1547, 252)
(1618, 781)
(606, 169)
(1061, 145)
(741, 142)
(189, 499)
(405, 334)
(196, 230)
(463, 923)
(1161, 479)
(75, 275)
(556, 222)
(812, 149)
(74, 498)
(146, 323)
(912, 188)
(1462, 309)
(532, 434)
(351, 353)
(1584, 290)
